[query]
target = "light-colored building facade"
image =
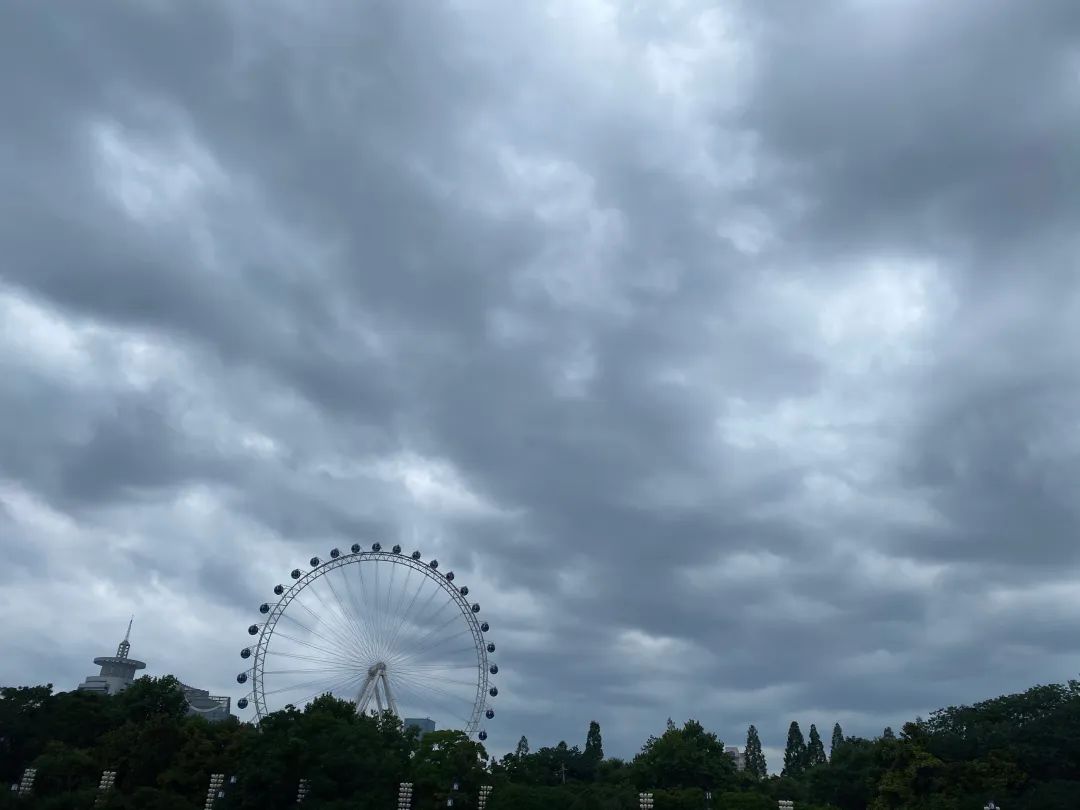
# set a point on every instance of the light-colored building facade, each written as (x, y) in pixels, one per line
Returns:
(424, 725)
(737, 756)
(214, 708)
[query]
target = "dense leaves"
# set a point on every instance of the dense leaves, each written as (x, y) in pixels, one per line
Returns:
(756, 766)
(1022, 751)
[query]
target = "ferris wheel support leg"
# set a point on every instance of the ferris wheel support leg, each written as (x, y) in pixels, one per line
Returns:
(390, 696)
(363, 699)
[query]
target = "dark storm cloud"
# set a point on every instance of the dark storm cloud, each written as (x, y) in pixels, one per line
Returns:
(731, 353)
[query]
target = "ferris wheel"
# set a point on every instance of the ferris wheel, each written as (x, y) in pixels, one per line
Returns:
(385, 630)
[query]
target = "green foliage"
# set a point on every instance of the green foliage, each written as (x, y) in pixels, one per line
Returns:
(686, 757)
(1021, 750)
(594, 746)
(794, 751)
(815, 750)
(837, 739)
(756, 767)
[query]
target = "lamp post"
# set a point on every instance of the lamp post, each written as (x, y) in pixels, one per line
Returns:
(485, 794)
(404, 796)
(645, 801)
(26, 784)
(107, 783)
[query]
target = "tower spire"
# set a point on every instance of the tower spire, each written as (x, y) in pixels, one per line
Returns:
(125, 645)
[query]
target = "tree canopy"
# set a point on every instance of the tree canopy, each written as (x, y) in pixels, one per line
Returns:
(1021, 750)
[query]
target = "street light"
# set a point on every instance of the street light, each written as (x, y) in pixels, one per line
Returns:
(404, 796)
(26, 784)
(214, 791)
(107, 783)
(645, 801)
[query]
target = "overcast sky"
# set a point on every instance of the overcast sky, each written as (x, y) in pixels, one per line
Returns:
(729, 351)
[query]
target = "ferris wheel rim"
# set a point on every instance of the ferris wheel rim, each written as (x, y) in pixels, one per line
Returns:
(341, 560)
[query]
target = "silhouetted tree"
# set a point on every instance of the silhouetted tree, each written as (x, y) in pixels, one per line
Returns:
(815, 750)
(794, 751)
(837, 740)
(755, 757)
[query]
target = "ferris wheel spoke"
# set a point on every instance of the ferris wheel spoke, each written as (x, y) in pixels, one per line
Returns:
(428, 620)
(334, 650)
(364, 607)
(346, 686)
(306, 658)
(396, 625)
(438, 678)
(389, 622)
(434, 592)
(460, 709)
(427, 617)
(405, 663)
(358, 611)
(308, 671)
(343, 644)
(343, 636)
(421, 644)
(435, 666)
(358, 633)
(448, 699)
(341, 649)
(403, 617)
(314, 682)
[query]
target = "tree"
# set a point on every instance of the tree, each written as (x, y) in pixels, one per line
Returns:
(594, 743)
(837, 740)
(888, 733)
(594, 752)
(795, 751)
(815, 750)
(755, 757)
(687, 757)
(522, 749)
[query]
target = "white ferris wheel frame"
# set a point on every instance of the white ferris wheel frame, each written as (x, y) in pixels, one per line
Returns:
(376, 679)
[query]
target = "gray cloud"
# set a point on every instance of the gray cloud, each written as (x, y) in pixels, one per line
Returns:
(731, 354)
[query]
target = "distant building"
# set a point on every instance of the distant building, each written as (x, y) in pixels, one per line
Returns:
(117, 671)
(425, 725)
(214, 708)
(737, 756)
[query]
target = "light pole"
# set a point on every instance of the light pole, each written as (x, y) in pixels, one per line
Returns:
(26, 784)
(107, 783)
(645, 801)
(485, 794)
(214, 791)
(404, 796)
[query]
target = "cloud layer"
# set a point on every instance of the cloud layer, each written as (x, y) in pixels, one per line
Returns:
(730, 353)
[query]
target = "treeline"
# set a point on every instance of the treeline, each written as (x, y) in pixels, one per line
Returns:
(1022, 751)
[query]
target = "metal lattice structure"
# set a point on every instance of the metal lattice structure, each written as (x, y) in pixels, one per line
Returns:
(384, 629)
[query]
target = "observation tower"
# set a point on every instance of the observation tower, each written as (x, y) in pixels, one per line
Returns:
(117, 671)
